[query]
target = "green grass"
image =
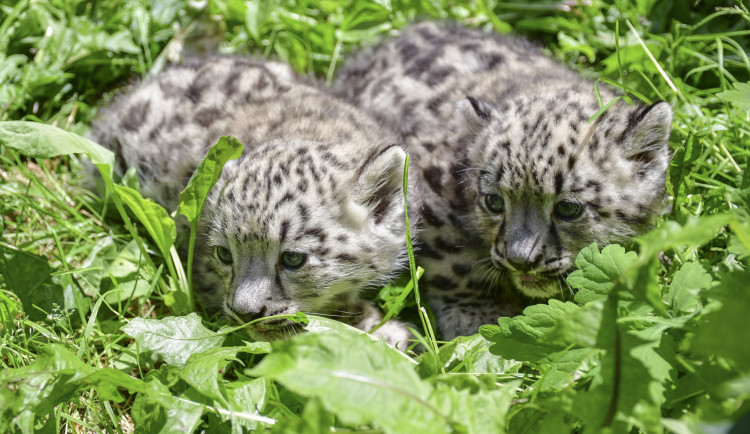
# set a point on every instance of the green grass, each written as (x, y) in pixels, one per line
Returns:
(93, 331)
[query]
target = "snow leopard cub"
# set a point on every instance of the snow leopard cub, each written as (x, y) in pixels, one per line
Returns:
(310, 215)
(516, 180)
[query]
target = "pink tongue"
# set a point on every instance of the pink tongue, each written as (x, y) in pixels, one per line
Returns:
(527, 278)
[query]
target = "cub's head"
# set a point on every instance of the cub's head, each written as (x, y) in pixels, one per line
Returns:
(549, 183)
(297, 227)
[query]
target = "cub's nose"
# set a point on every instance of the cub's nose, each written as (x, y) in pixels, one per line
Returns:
(521, 263)
(246, 317)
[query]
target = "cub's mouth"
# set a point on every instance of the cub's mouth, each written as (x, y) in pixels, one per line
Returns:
(266, 329)
(273, 332)
(537, 285)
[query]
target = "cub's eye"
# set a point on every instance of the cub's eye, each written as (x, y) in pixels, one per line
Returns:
(293, 260)
(224, 254)
(494, 203)
(566, 210)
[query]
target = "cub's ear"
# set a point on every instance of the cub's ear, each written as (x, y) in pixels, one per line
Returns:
(475, 112)
(379, 183)
(647, 135)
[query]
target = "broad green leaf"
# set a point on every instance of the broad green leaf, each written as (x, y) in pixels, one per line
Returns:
(45, 141)
(627, 389)
(319, 324)
(345, 368)
(724, 332)
(739, 243)
(174, 339)
(687, 283)
(314, 420)
(695, 232)
(598, 271)
(108, 380)
(93, 270)
(132, 272)
(247, 400)
(205, 176)
(467, 354)
(740, 95)
(52, 379)
(579, 328)
(481, 411)
(159, 225)
(158, 411)
(544, 418)
(646, 287)
(202, 371)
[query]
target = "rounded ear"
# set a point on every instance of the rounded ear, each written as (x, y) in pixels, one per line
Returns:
(379, 182)
(647, 135)
(475, 112)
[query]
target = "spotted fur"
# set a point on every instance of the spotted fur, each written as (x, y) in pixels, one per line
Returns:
(502, 144)
(318, 178)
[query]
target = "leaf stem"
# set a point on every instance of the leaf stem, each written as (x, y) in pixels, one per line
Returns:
(616, 380)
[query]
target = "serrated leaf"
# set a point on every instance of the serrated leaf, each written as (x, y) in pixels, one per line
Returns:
(174, 339)
(531, 338)
(598, 271)
(526, 331)
(345, 368)
(579, 328)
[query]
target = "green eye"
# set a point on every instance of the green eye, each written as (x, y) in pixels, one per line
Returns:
(567, 210)
(293, 260)
(494, 203)
(224, 254)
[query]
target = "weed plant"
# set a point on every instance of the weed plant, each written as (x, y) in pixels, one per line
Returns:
(97, 329)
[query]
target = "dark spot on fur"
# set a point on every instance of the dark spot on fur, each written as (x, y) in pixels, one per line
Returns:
(442, 283)
(433, 175)
(445, 246)
(206, 116)
(427, 251)
(461, 269)
(346, 258)
(430, 217)
(135, 117)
